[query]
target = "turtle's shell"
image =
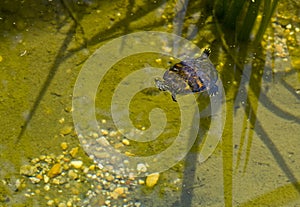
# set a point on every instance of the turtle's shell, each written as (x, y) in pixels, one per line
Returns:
(191, 76)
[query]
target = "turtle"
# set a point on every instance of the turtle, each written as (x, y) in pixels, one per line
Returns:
(190, 76)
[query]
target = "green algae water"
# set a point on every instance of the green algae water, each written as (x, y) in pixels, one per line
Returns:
(252, 150)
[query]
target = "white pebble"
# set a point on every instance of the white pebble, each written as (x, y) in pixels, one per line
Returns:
(46, 179)
(107, 202)
(50, 202)
(76, 164)
(34, 179)
(62, 205)
(47, 187)
(141, 167)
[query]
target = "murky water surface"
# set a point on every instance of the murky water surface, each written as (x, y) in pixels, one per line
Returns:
(238, 148)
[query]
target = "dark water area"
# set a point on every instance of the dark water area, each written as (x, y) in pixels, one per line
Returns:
(84, 124)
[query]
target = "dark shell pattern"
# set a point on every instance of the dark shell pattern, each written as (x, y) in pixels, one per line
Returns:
(190, 76)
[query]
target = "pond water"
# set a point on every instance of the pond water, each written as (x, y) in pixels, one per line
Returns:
(83, 123)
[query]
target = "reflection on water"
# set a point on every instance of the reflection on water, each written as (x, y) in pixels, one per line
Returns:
(43, 47)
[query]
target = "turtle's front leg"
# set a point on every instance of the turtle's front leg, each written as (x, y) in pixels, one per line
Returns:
(161, 84)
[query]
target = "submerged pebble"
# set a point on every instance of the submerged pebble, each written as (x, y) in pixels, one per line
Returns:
(64, 145)
(55, 170)
(141, 167)
(73, 179)
(28, 170)
(76, 163)
(117, 192)
(66, 130)
(74, 151)
(125, 142)
(152, 179)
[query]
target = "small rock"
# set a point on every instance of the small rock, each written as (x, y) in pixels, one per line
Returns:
(42, 157)
(73, 175)
(74, 151)
(129, 154)
(104, 132)
(110, 177)
(18, 185)
(46, 179)
(141, 167)
(35, 160)
(55, 181)
(152, 179)
(64, 145)
(103, 141)
(28, 170)
(86, 170)
(39, 176)
(125, 142)
(55, 170)
(59, 158)
(76, 164)
(137, 204)
(66, 166)
(92, 167)
(50, 202)
(69, 204)
(66, 130)
(158, 60)
(118, 145)
(34, 179)
(62, 205)
(113, 133)
(68, 109)
(47, 187)
(117, 192)
(61, 120)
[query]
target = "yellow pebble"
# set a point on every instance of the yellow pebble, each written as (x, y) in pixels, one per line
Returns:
(1, 58)
(125, 142)
(152, 179)
(64, 145)
(66, 130)
(117, 192)
(55, 170)
(158, 60)
(129, 154)
(92, 167)
(141, 182)
(74, 151)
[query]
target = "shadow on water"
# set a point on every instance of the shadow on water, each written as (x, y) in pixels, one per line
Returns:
(235, 22)
(77, 30)
(60, 57)
(254, 97)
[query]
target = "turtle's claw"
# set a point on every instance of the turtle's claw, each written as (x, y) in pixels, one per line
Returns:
(213, 91)
(174, 97)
